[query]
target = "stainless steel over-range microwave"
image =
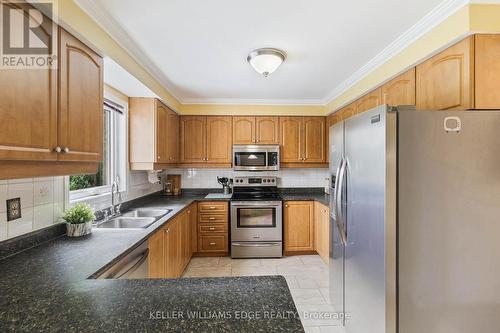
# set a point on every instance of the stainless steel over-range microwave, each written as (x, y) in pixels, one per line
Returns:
(256, 157)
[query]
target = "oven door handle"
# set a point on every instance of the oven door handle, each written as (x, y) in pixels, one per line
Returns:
(262, 244)
(259, 204)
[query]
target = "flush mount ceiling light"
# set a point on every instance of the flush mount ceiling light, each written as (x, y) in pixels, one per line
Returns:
(265, 61)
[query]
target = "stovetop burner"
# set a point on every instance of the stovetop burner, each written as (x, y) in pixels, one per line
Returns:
(256, 188)
(251, 196)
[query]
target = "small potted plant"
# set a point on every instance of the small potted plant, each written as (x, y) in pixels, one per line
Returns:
(79, 220)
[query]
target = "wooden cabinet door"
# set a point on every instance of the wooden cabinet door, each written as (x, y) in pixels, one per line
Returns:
(298, 226)
(193, 139)
(80, 100)
(219, 139)
(161, 134)
(314, 148)
(267, 130)
(156, 259)
(446, 81)
(172, 137)
(401, 90)
(369, 101)
(321, 231)
(28, 108)
(487, 71)
(290, 132)
(244, 130)
(193, 220)
(172, 248)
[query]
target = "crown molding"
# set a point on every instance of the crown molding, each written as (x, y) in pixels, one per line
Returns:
(109, 24)
(243, 101)
(424, 25)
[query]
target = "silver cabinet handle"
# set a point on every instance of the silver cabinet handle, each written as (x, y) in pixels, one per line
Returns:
(167, 230)
(211, 228)
(211, 218)
(212, 207)
(286, 206)
(57, 149)
(66, 150)
(211, 244)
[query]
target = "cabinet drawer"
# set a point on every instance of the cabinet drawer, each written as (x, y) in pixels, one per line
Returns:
(212, 228)
(213, 218)
(212, 206)
(213, 243)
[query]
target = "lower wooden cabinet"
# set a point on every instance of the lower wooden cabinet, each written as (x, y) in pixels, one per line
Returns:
(213, 220)
(322, 230)
(170, 248)
(298, 224)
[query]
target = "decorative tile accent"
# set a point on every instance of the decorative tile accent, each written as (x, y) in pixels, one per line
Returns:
(43, 192)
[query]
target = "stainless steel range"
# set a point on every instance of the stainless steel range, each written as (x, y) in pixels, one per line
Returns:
(256, 218)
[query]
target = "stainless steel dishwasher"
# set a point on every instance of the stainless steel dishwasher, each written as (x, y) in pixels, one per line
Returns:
(133, 266)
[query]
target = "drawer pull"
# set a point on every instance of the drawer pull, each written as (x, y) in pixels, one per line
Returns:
(212, 207)
(211, 218)
(211, 228)
(212, 243)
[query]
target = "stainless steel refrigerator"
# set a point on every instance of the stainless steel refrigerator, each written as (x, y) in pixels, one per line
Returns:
(415, 221)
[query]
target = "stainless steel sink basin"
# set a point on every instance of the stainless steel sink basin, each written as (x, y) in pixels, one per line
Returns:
(144, 212)
(128, 223)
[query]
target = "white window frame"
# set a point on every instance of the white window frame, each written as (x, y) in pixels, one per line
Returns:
(117, 155)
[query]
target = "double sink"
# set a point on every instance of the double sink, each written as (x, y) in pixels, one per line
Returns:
(135, 219)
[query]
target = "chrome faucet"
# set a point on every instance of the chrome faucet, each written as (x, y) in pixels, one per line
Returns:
(115, 208)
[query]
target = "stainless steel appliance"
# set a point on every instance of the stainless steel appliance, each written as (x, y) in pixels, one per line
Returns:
(256, 157)
(133, 266)
(415, 221)
(256, 218)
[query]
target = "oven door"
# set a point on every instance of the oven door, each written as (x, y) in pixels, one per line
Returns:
(256, 221)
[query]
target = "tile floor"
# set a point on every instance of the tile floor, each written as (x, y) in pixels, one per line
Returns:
(307, 278)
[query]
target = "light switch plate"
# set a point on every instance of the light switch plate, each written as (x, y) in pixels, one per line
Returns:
(13, 209)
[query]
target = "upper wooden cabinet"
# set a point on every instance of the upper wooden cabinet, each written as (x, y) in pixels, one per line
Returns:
(153, 134)
(302, 140)
(400, 90)
(219, 143)
(28, 110)
(255, 130)
(298, 225)
(487, 71)
(369, 101)
(81, 100)
(53, 118)
(348, 111)
(446, 81)
(206, 140)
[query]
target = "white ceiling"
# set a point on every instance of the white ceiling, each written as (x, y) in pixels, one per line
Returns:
(198, 48)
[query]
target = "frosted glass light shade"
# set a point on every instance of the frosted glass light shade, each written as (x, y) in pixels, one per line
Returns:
(266, 61)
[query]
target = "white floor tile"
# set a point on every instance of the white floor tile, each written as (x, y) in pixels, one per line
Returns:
(307, 296)
(253, 271)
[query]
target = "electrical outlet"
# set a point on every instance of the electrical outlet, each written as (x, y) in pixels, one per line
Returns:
(13, 209)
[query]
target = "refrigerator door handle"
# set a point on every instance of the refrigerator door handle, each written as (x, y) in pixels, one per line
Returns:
(340, 215)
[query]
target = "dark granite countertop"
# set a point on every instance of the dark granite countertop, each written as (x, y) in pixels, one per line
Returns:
(306, 195)
(46, 289)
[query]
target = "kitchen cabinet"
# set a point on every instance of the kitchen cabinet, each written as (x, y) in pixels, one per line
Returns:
(81, 100)
(322, 231)
(213, 220)
(170, 247)
(52, 119)
(219, 139)
(487, 71)
(347, 112)
(193, 223)
(369, 101)
(302, 140)
(298, 224)
(400, 90)
(156, 256)
(255, 130)
(206, 141)
(446, 81)
(153, 134)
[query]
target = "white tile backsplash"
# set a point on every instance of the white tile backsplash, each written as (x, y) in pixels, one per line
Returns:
(207, 178)
(3, 198)
(3, 226)
(23, 191)
(22, 225)
(43, 216)
(43, 192)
